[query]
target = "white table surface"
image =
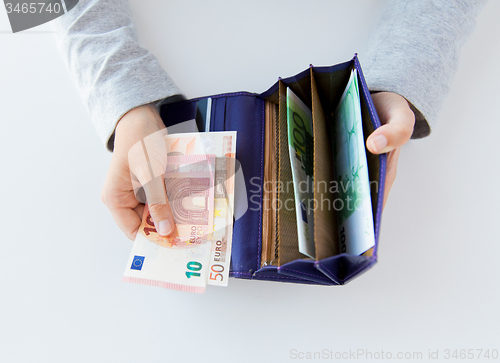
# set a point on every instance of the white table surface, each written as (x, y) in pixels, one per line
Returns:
(435, 287)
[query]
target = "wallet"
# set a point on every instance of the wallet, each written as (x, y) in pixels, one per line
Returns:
(265, 242)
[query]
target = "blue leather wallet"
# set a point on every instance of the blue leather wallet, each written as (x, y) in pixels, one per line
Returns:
(264, 242)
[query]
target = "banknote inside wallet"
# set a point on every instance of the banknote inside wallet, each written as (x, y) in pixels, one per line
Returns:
(269, 215)
(322, 93)
(287, 238)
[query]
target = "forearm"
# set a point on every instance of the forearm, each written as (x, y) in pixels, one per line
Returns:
(113, 74)
(415, 52)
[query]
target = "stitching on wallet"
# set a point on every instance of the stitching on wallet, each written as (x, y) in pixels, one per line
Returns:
(239, 273)
(364, 267)
(304, 273)
(380, 201)
(268, 276)
(364, 87)
(263, 126)
(281, 277)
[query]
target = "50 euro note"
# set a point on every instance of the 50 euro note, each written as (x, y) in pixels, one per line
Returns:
(223, 146)
(179, 261)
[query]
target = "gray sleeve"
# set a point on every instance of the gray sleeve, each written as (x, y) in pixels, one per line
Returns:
(415, 52)
(113, 74)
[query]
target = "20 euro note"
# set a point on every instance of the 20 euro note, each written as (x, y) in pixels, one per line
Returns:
(355, 218)
(179, 261)
(223, 146)
(301, 143)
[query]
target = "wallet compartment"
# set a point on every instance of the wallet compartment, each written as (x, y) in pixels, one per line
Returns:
(330, 267)
(265, 243)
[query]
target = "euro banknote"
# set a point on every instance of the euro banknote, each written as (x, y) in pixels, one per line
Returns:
(301, 143)
(355, 218)
(223, 146)
(180, 261)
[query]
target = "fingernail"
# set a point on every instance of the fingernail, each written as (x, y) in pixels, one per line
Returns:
(379, 142)
(164, 227)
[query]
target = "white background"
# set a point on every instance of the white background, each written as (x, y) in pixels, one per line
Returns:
(436, 285)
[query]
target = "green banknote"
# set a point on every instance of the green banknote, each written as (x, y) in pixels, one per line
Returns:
(300, 140)
(353, 203)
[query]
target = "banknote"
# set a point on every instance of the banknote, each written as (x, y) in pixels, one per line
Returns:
(355, 218)
(223, 146)
(301, 143)
(180, 261)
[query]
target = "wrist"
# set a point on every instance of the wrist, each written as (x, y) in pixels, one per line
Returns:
(138, 123)
(137, 115)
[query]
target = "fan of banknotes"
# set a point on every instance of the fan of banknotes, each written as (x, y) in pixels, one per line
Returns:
(199, 180)
(354, 219)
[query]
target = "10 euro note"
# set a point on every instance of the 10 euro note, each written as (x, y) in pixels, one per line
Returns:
(223, 146)
(179, 261)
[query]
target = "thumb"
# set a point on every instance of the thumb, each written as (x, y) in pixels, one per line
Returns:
(148, 162)
(398, 121)
(159, 206)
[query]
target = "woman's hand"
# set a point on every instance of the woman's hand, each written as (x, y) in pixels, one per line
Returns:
(139, 161)
(397, 121)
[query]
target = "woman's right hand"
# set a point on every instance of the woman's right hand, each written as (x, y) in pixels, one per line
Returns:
(139, 161)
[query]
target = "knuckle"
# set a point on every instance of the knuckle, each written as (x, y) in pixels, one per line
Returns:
(404, 131)
(159, 209)
(109, 198)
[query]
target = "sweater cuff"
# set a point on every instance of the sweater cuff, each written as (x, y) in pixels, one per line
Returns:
(110, 144)
(421, 128)
(124, 89)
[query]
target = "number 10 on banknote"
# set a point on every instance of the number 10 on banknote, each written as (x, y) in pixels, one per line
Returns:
(179, 261)
(200, 186)
(223, 146)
